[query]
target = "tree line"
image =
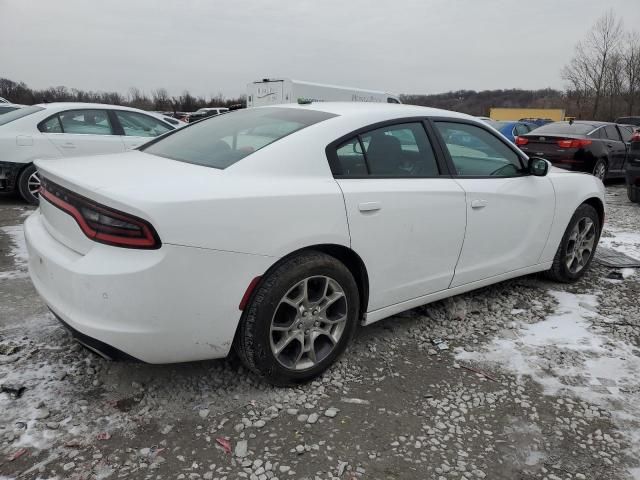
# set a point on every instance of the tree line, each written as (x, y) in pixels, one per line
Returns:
(603, 83)
(157, 100)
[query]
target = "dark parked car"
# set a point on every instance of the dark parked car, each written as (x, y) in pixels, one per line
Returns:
(629, 120)
(599, 148)
(633, 168)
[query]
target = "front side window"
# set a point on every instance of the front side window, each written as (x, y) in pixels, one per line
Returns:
(400, 150)
(222, 140)
(86, 122)
(477, 153)
(627, 133)
(612, 133)
(139, 125)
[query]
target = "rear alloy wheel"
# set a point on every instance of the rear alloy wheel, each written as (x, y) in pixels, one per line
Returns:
(29, 185)
(600, 170)
(578, 246)
(300, 319)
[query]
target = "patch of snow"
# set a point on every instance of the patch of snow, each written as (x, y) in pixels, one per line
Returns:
(602, 371)
(18, 252)
(622, 241)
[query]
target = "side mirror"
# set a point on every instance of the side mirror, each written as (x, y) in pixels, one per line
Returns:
(538, 167)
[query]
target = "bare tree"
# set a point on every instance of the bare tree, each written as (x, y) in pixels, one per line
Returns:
(631, 68)
(592, 58)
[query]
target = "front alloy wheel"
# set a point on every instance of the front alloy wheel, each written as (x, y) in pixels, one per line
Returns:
(29, 184)
(600, 170)
(580, 246)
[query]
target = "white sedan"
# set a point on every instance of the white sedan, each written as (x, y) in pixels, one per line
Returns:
(278, 230)
(57, 130)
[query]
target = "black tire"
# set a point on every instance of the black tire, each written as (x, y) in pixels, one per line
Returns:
(600, 164)
(23, 185)
(253, 338)
(632, 193)
(559, 270)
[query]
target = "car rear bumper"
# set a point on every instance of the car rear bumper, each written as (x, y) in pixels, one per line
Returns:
(174, 304)
(9, 172)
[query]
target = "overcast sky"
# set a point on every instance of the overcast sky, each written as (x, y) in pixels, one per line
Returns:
(210, 47)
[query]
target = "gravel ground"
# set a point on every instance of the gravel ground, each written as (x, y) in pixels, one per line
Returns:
(538, 381)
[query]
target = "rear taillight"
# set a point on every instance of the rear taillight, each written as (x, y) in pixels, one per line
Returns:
(521, 141)
(573, 143)
(99, 223)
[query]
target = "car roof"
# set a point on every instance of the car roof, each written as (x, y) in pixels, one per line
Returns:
(377, 111)
(71, 105)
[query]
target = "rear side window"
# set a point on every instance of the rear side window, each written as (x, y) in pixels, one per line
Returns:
(222, 140)
(86, 122)
(402, 151)
(139, 125)
(521, 129)
(51, 125)
(477, 153)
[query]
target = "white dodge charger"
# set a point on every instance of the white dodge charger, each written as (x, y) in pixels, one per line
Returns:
(278, 230)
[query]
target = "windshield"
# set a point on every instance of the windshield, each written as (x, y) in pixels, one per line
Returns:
(223, 140)
(19, 113)
(565, 128)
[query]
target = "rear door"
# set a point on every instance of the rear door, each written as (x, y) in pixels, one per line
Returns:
(616, 147)
(82, 132)
(138, 128)
(509, 213)
(406, 219)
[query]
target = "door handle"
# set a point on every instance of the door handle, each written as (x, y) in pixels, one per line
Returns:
(478, 204)
(369, 206)
(68, 145)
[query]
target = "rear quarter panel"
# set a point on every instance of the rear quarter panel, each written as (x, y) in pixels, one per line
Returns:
(572, 190)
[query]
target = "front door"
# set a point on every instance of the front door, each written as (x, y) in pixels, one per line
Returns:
(406, 221)
(139, 128)
(616, 147)
(509, 213)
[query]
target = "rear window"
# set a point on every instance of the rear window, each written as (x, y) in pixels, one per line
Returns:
(565, 128)
(223, 140)
(16, 114)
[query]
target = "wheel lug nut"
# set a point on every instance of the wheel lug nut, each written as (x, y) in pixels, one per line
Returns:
(300, 325)
(317, 324)
(306, 332)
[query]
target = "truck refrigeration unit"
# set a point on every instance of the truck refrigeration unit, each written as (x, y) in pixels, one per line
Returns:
(276, 91)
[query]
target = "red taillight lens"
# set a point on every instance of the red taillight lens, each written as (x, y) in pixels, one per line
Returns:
(521, 141)
(99, 223)
(573, 143)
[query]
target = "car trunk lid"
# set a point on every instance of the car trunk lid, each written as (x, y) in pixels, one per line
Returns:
(134, 183)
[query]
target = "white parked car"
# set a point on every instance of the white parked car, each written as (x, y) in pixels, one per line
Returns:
(57, 130)
(279, 230)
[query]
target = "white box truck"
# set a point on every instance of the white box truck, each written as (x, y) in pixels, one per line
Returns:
(276, 91)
